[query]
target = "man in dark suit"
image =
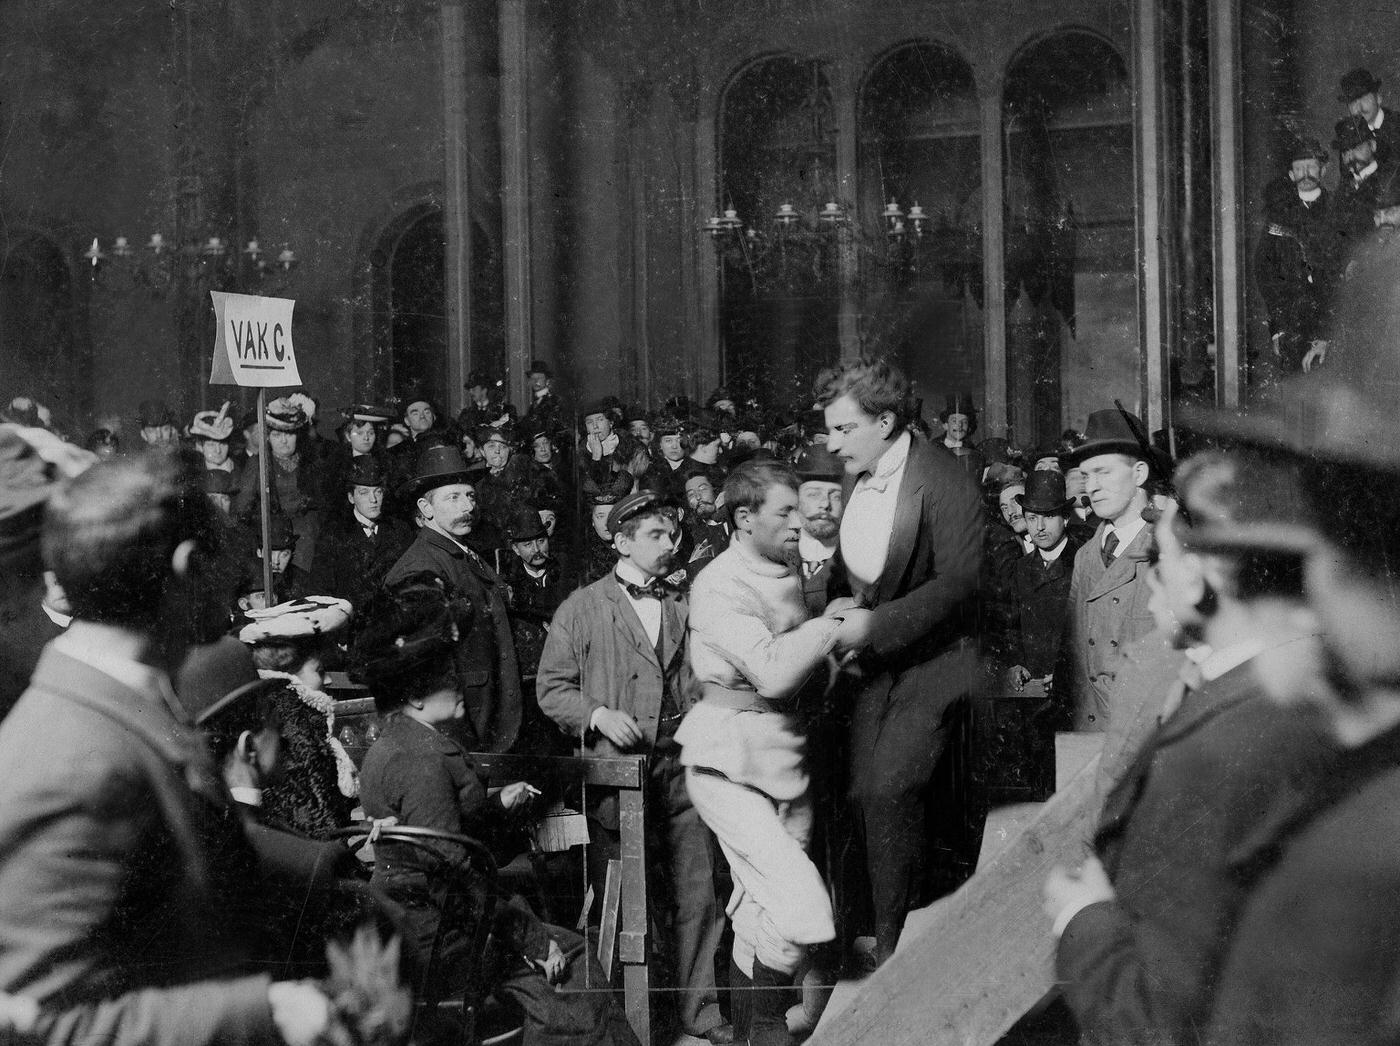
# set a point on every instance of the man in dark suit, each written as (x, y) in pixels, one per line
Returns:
(446, 499)
(1040, 580)
(1196, 818)
(911, 540)
(820, 500)
(1108, 596)
(615, 675)
(126, 885)
(365, 541)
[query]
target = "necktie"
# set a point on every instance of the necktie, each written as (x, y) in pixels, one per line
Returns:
(370, 531)
(1110, 546)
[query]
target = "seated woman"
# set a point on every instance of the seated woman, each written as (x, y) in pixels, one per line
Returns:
(414, 772)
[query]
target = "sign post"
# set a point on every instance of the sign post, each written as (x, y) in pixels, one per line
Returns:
(253, 349)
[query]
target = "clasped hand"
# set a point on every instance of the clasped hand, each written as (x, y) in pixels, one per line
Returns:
(853, 634)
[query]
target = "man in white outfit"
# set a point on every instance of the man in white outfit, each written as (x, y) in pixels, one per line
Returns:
(752, 649)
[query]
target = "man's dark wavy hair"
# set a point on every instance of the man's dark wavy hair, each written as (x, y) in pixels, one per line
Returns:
(876, 385)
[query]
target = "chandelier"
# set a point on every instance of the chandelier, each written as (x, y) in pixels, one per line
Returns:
(211, 262)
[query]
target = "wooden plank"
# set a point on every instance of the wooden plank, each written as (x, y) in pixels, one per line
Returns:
(617, 772)
(607, 930)
(636, 995)
(984, 956)
(636, 980)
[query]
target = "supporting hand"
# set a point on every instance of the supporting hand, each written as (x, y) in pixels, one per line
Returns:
(617, 726)
(1065, 889)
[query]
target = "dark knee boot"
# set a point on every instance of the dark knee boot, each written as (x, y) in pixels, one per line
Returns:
(768, 1025)
(740, 1001)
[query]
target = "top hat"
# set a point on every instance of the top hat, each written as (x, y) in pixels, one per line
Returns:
(1350, 132)
(154, 413)
(958, 403)
(818, 463)
(1356, 83)
(215, 676)
(437, 467)
(361, 412)
(540, 367)
(524, 524)
(366, 470)
(633, 504)
(1110, 431)
(1045, 494)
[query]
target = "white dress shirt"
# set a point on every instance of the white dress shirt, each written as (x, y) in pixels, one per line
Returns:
(369, 526)
(814, 554)
(1054, 553)
(1126, 533)
(868, 521)
(649, 610)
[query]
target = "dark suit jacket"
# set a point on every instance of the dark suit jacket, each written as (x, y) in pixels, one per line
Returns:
(1041, 590)
(597, 655)
(125, 878)
(924, 616)
(1314, 959)
(486, 656)
(1107, 611)
(1183, 836)
(354, 565)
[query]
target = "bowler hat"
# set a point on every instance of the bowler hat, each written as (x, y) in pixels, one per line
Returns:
(1356, 83)
(1045, 494)
(524, 524)
(540, 367)
(1306, 147)
(215, 676)
(437, 467)
(634, 504)
(1350, 132)
(1110, 431)
(366, 470)
(361, 412)
(818, 463)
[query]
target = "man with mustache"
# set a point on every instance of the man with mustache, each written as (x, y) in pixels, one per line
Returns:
(1296, 259)
(616, 675)
(446, 500)
(820, 503)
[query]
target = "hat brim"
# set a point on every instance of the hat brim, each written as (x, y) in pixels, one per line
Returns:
(242, 693)
(1046, 509)
(1094, 448)
(420, 485)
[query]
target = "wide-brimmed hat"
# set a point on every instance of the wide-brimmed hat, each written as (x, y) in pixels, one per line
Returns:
(1350, 132)
(524, 524)
(215, 676)
(1045, 494)
(437, 467)
(366, 470)
(296, 619)
(818, 463)
(212, 424)
(1356, 83)
(1110, 432)
(284, 414)
(361, 412)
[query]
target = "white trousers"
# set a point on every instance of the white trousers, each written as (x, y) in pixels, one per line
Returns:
(779, 905)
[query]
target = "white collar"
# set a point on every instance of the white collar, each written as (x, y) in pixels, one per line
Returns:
(1380, 119)
(227, 466)
(1311, 195)
(1056, 552)
(952, 444)
(61, 620)
(889, 463)
(630, 572)
(365, 524)
(247, 796)
(532, 571)
(1127, 533)
(1216, 663)
(135, 675)
(541, 393)
(812, 550)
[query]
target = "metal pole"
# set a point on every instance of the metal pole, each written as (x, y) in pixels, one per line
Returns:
(264, 496)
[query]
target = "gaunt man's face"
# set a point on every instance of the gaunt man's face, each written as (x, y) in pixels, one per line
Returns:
(368, 500)
(1011, 507)
(419, 417)
(775, 525)
(858, 439)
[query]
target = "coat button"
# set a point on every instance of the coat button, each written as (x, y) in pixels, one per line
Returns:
(1093, 718)
(1113, 642)
(1115, 600)
(1091, 640)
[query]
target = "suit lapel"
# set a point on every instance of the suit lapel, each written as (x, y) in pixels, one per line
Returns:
(1124, 568)
(904, 533)
(626, 619)
(673, 627)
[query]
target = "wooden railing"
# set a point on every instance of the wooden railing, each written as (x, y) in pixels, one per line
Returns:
(356, 723)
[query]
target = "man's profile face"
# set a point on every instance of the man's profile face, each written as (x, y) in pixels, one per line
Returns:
(1306, 174)
(419, 417)
(1112, 482)
(367, 500)
(1011, 507)
(820, 504)
(775, 526)
(858, 439)
(652, 550)
(361, 435)
(533, 553)
(700, 496)
(672, 449)
(1367, 106)
(451, 509)
(215, 452)
(1045, 531)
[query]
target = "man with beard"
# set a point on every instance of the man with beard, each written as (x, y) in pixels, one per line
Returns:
(1296, 259)
(1361, 93)
(708, 536)
(1368, 192)
(754, 647)
(820, 502)
(446, 499)
(127, 888)
(616, 675)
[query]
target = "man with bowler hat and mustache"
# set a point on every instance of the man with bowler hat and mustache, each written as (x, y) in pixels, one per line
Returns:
(446, 500)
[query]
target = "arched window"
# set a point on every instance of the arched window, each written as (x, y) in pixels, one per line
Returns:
(1071, 285)
(921, 280)
(778, 295)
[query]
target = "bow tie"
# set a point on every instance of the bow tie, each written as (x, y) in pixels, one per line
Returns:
(876, 484)
(655, 589)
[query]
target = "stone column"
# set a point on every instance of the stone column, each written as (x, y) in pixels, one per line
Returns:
(1226, 74)
(515, 193)
(456, 204)
(994, 418)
